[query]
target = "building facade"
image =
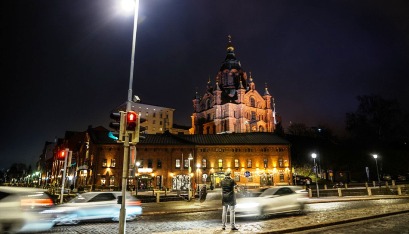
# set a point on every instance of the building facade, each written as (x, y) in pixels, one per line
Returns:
(232, 103)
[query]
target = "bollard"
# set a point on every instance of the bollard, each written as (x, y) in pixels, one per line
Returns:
(369, 191)
(346, 185)
(399, 190)
(309, 192)
(366, 184)
(339, 192)
(325, 186)
(374, 183)
(157, 197)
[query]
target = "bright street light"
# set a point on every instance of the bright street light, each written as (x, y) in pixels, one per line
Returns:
(314, 156)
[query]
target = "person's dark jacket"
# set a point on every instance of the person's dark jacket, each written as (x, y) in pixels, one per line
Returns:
(228, 195)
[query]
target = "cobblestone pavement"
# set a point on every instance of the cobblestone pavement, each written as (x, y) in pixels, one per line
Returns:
(283, 224)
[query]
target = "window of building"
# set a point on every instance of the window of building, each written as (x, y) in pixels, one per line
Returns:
(252, 102)
(159, 164)
(249, 163)
(104, 162)
(186, 163)
(112, 180)
(103, 181)
(147, 114)
(177, 163)
(154, 114)
(160, 123)
(220, 163)
(236, 163)
(253, 115)
(281, 177)
(154, 121)
(113, 163)
(204, 163)
(141, 163)
(280, 162)
(150, 163)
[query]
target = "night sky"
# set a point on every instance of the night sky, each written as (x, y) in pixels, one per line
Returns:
(65, 64)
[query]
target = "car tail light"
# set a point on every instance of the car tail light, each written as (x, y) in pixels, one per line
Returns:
(30, 202)
(134, 202)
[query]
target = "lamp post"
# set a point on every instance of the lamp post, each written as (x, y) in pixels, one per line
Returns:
(314, 155)
(375, 156)
(197, 176)
(189, 193)
(125, 167)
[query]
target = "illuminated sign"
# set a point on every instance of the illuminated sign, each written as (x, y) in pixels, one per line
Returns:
(145, 170)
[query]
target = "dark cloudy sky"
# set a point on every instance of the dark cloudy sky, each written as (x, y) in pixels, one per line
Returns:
(65, 64)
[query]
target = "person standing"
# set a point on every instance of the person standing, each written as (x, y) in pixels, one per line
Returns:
(228, 200)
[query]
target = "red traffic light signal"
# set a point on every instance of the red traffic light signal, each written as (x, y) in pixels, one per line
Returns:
(131, 120)
(62, 154)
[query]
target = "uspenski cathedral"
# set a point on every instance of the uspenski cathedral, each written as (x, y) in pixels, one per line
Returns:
(231, 104)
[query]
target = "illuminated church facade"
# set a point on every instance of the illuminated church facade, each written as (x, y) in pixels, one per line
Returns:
(232, 104)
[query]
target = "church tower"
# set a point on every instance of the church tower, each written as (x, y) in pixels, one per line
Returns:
(232, 104)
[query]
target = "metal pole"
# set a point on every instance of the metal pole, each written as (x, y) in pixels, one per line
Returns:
(122, 220)
(63, 177)
(316, 179)
(377, 172)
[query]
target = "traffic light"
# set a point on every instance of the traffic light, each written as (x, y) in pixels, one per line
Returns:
(132, 126)
(118, 124)
(62, 154)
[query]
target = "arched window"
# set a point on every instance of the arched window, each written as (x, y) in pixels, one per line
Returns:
(252, 102)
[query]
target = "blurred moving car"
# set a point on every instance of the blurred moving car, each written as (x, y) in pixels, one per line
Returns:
(274, 200)
(96, 206)
(20, 210)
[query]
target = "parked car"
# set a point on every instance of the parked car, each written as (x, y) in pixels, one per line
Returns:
(386, 177)
(96, 206)
(274, 200)
(20, 210)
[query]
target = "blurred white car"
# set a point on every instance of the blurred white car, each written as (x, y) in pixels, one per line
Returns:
(96, 206)
(274, 200)
(21, 210)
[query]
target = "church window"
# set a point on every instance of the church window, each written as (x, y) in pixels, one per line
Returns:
(253, 115)
(252, 102)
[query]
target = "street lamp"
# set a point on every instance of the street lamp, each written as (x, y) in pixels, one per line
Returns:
(189, 194)
(375, 156)
(128, 108)
(314, 155)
